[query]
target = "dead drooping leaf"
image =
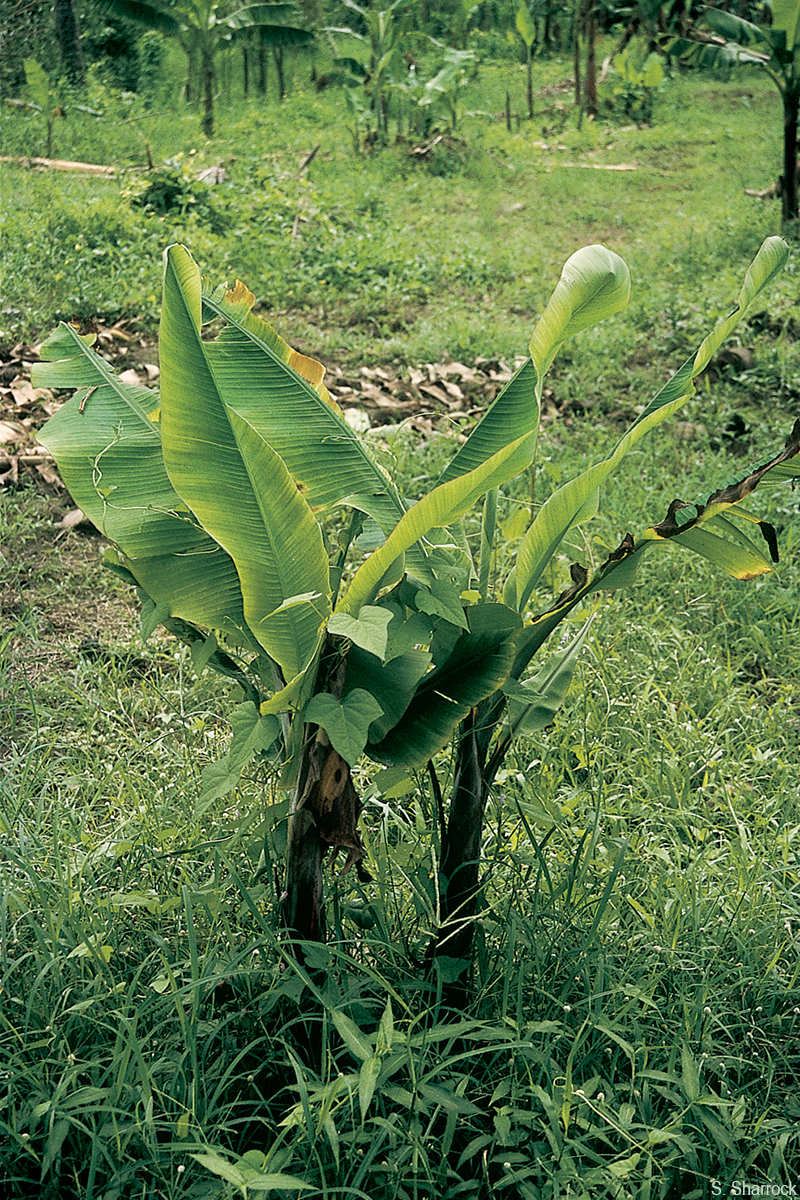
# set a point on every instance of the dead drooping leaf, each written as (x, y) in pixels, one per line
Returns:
(580, 577)
(626, 547)
(331, 799)
(733, 493)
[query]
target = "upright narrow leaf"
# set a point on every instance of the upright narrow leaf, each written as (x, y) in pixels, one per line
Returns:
(786, 19)
(525, 24)
(534, 703)
(690, 1076)
(513, 413)
(238, 486)
(367, 1082)
(595, 283)
(563, 508)
(282, 395)
(36, 79)
(359, 1044)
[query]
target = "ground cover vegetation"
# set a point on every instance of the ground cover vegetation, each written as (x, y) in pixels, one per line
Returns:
(632, 1029)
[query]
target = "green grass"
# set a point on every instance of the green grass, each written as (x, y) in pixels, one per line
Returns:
(380, 257)
(634, 1031)
(637, 965)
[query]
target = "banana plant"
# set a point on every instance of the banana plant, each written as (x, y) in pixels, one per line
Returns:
(526, 28)
(389, 637)
(43, 100)
(381, 31)
(201, 27)
(775, 48)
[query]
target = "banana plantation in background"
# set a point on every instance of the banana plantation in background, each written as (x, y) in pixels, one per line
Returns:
(384, 56)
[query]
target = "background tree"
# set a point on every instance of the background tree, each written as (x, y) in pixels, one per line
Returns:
(28, 29)
(649, 19)
(68, 37)
(273, 29)
(382, 32)
(25, 32)
(775, 48)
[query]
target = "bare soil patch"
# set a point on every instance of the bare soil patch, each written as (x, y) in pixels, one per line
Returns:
(369, 396)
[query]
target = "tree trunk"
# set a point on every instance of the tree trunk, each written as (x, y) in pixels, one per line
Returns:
(576, 54)
(246, 71)
(226, 75)
(208, 92)
(69, 40)
(478, 758)
(547, 32)
(277, 52)
(791, 105)
(323, 815)
(302, 913)
(459, 886)
(630, 31)
(262, 69)
(191, 64)
(590, 27)
(530, 82)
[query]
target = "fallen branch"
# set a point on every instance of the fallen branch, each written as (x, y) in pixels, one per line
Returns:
(309, 158)
(27, 459)
(773, 192)
(599, 166)
(59, 164)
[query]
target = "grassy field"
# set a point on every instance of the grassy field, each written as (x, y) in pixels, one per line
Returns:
(383, 256)
(634, 1030)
